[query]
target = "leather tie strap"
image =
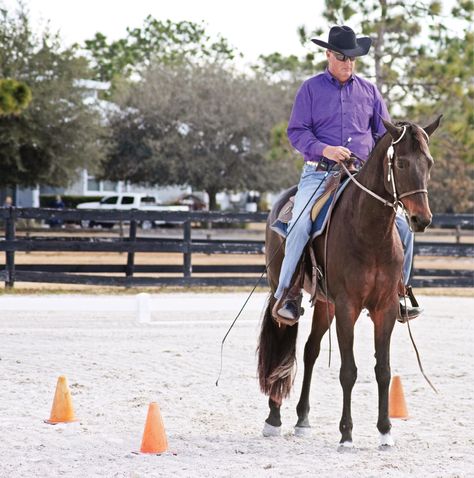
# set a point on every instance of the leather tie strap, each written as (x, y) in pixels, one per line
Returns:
(416, 191)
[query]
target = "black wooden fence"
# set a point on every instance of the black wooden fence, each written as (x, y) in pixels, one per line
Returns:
(185, 274)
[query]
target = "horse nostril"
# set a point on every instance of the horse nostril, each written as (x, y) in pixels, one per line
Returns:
(420, 224)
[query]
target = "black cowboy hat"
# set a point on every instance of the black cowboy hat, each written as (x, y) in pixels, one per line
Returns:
(343, 40)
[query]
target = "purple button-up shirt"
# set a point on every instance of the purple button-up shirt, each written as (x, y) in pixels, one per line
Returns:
(328, 113)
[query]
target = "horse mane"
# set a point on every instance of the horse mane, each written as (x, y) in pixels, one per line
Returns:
(417, 134)
(379, 146)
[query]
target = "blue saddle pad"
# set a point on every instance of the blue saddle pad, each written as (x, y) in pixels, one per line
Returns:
(319, 224)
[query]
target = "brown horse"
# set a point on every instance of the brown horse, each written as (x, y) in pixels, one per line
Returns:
(364, 270)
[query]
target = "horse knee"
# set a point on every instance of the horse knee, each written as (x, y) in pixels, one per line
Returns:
(348, 376)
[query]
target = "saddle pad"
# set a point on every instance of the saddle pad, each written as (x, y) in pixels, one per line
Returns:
(280, 226)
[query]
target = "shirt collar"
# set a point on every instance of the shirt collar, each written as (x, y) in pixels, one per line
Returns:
(334, 80)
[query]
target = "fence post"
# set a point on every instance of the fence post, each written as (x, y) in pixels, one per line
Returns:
(10, 255)
(187, 266)
(131, 255)
(458, 234)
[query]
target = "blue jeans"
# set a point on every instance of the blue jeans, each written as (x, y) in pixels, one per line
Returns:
(407, 237)
(299, 233)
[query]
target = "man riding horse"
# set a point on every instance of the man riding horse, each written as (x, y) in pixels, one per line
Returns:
(330, 111)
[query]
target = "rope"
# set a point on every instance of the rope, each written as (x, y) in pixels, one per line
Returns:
(326, 271)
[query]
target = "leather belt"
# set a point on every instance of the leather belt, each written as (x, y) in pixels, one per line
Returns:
(322, 165)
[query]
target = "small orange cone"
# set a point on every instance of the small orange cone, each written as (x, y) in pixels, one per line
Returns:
(154, 437)
(397, 407)
(62, 410)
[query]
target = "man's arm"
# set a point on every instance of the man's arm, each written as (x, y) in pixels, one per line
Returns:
(300, 132)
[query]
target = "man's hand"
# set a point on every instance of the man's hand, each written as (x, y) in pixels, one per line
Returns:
(336, 153)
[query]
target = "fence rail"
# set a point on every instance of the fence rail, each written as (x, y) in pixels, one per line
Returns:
(187, 274)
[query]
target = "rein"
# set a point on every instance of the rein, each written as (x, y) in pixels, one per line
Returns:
(396, 202)
(390, 177)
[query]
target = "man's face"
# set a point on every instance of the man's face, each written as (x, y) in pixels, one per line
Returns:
(341, 70)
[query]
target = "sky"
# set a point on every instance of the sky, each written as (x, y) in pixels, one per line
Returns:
(253, 27)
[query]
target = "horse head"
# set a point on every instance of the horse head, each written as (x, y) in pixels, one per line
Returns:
(407, 169)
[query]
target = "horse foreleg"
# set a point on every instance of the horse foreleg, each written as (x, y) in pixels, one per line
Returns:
(383, 326)
(346, 316)
(319, 327)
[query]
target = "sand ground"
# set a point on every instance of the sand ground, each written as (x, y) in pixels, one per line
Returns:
(116, 366)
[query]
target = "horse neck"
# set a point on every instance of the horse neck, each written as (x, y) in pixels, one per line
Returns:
(369, 213)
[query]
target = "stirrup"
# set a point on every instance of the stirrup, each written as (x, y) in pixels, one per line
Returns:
(411, 296)
(280, 303)
(405, 312)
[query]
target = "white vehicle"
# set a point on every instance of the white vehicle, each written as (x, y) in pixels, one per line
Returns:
(127, 201)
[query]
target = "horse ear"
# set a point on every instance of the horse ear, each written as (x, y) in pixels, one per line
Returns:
(394, 131)
(431, 128)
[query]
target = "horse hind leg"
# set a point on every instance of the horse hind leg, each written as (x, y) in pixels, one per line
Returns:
(319, 327)
(272, 425)
(276, 363)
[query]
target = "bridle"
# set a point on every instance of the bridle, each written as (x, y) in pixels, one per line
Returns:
(390, 178)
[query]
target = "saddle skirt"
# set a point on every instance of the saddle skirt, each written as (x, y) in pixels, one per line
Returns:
(319, 211)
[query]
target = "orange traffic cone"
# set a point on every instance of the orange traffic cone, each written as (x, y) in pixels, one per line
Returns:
(397, 408)
(62, 410)
(154, 437)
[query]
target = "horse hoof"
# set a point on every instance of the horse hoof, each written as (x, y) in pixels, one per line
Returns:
(345, 446)
(386, 440)
(304, 432)
(271, 431)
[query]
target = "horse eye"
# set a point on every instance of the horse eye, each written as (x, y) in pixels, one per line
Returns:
(400, 163)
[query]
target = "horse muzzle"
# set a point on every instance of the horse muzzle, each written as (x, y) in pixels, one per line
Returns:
(418, 211)
(419, 223)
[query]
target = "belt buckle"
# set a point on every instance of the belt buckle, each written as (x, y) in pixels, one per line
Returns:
(322, 165)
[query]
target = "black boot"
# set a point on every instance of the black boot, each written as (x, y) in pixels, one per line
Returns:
(289, 310)
(408, 312)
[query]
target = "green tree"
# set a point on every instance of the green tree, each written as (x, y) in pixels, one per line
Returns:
(157, 41)
(201, 125)
(396, 29)
(289, 69)
(58, 132)
(448, 71)
(14, 96)
(422, 61)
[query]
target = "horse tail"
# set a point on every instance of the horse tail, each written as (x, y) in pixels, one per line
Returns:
(276, 355)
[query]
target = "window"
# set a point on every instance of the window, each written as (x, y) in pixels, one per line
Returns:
(127, 200)
(109, 186)
(109, 200)
(148, 200)
(94, 186)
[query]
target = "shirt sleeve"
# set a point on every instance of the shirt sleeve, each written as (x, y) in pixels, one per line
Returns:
(300, 131)
(380, 111)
